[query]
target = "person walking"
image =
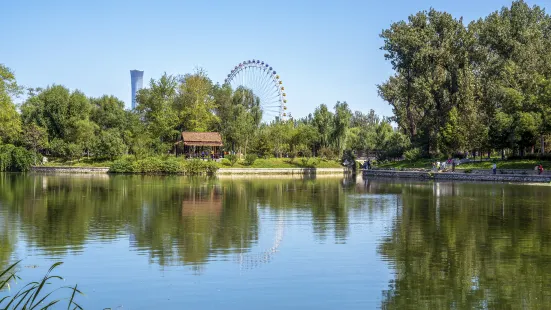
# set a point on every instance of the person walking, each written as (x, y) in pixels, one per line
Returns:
(453, 165)
(494, 168)
(369, 164)
(540, 169)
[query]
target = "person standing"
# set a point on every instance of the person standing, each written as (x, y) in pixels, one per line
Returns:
(369, 164)
(540, 169)
(494, 168)
(453, 165)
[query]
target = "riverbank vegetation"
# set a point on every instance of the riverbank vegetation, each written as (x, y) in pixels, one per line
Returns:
(34, 295)
(425, 163)
(480, 86)
(457, 89)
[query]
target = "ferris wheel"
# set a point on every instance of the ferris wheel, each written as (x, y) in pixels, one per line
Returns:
(265, 83)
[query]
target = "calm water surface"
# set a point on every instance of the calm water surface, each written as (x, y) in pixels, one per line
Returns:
(136, 242)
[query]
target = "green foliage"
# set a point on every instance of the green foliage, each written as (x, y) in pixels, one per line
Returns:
(14, 158)
(10, 122)
(33, 294)
(110, 145)
(250, 159)
(163, 165)
(412, 154)
(232, 158)
(58, 148)
(35, 138)
(225, 162)
(124, 165)
(327, 154)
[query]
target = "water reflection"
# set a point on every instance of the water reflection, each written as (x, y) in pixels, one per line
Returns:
(448, 244)
(172, 220)
(464, 246)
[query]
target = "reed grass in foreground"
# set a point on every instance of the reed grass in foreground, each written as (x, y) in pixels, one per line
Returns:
(35, 295)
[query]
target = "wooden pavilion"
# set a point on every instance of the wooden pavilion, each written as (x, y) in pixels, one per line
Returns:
(200, 145)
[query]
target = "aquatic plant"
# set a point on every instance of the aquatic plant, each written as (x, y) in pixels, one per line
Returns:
(34, 295)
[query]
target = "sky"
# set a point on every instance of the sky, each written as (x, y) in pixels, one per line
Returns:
(324, 51)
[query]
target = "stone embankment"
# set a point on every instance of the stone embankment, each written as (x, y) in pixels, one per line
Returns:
(527, 177)
(47, 169)
(281, 171)
(225, 171)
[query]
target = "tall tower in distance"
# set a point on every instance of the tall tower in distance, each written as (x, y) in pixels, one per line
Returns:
(136, 80)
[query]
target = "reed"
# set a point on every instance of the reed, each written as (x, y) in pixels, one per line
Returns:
(36, 294)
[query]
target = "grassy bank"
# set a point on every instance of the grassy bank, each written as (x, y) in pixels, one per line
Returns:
(84, 162)
(173, 165)
(501, 164)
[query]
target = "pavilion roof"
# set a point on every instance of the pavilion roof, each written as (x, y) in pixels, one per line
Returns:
(202, 138)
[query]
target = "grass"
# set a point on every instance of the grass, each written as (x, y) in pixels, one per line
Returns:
(259, 163)
(34, 295)
(287, 163)
(501, 164)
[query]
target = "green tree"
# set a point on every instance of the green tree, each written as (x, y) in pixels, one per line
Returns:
(323, 121)
(10, 122)
(195, 103)
(341, 123)
(156, 107)
(111, 145)
(35, 138)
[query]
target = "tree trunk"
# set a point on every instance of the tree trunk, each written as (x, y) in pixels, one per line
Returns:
(542, 145)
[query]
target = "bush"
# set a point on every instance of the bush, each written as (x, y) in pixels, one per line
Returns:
(163, 165)
(412, 154)
(327, 154)
(225, 162)
(14, 158)
(232, 158)
(122, 166)
(250, 159)
(22, 160)
(210, 167)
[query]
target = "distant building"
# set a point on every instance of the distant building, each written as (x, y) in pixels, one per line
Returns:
(136, 80)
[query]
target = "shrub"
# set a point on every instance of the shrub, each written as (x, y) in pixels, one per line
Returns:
(164, 165)
(22, 160)
(232, 158)
(122, 166)
(250, 159)
(14, 158)
(226, 162)
(172, 165)
(327, 154)
(193, 166)
(210, 167)
(412, 154)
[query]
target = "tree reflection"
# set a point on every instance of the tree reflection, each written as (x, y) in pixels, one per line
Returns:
(173, 220)
(464, 246)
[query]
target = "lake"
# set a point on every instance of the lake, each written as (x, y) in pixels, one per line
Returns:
(164, 242)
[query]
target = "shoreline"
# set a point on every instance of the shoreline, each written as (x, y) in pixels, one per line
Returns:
(308, 172)
(461, 176)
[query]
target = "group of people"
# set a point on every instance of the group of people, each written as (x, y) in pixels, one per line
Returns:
(442, 166)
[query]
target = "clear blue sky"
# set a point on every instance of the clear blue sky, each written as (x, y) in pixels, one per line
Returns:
(324, 50)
